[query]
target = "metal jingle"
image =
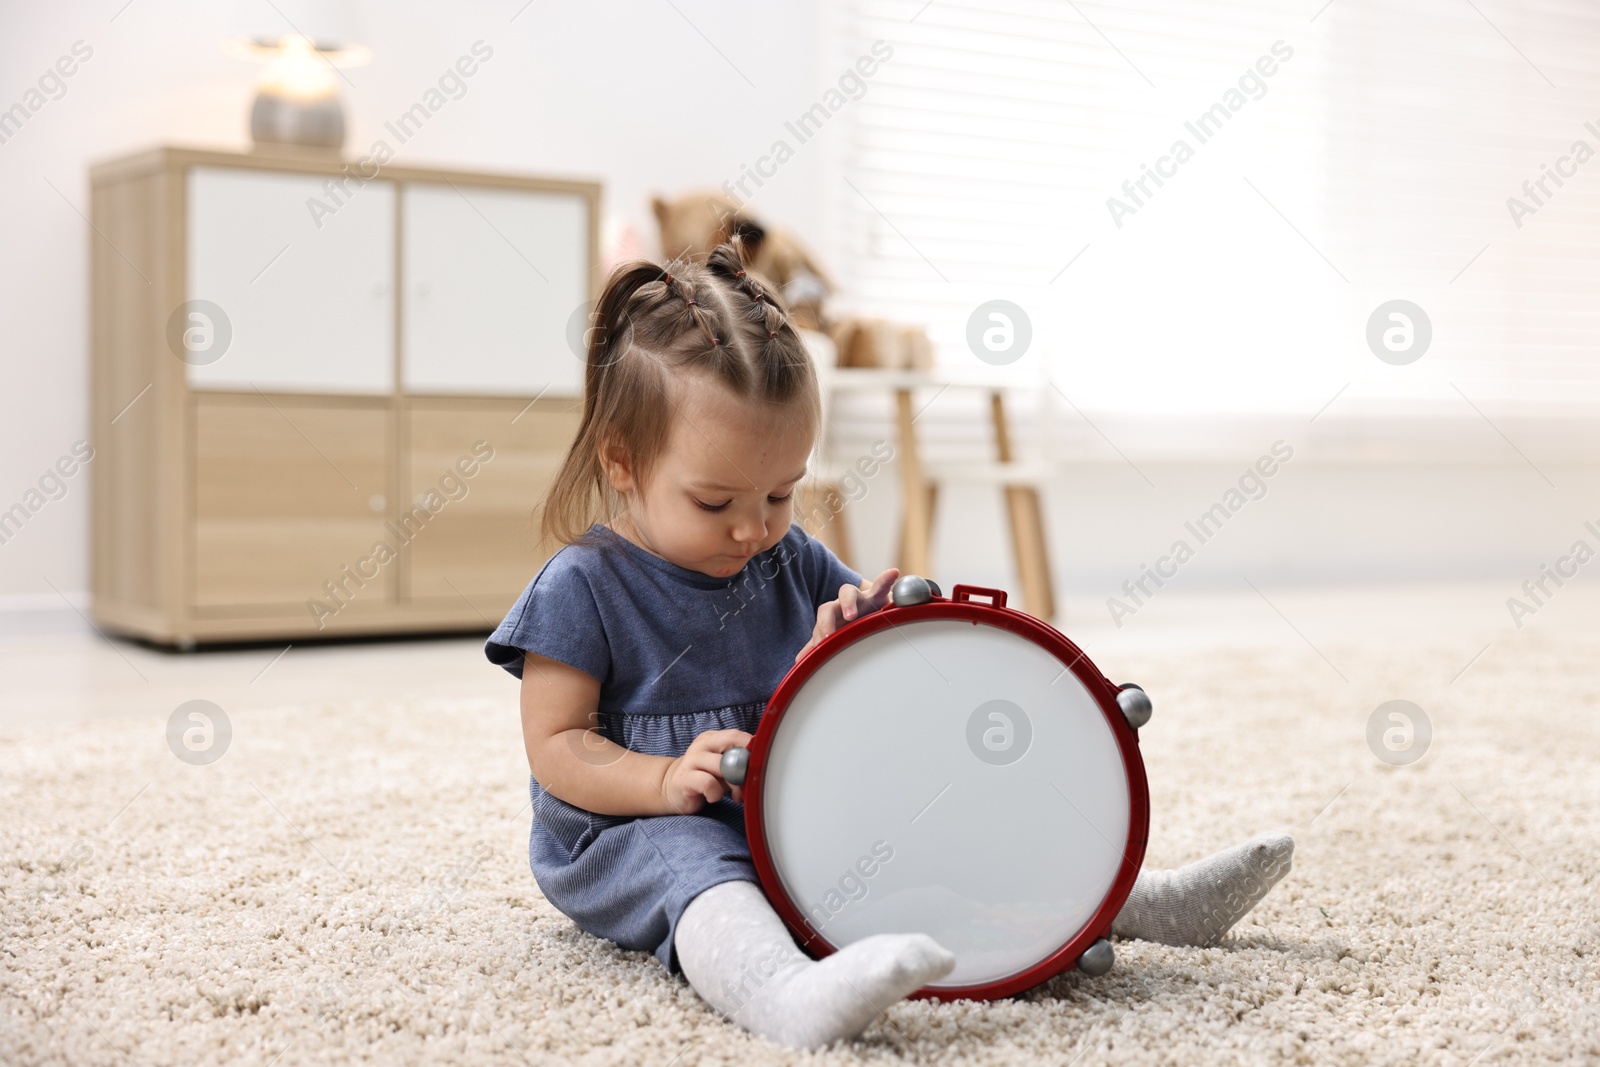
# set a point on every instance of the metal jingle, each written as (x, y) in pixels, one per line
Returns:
(735, 764)
(1097, 958)
(912, 589)
(1135, 704)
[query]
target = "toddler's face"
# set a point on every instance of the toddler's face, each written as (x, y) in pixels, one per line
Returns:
(723, 490)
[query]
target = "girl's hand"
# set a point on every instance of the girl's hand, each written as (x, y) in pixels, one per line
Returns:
(694, 779)
(853, 602)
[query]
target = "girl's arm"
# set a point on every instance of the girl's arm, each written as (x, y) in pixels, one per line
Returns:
(574, 763)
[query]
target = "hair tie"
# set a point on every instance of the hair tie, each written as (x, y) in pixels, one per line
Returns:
(739, 275)
(693, 304)
(715, 341)
(771, 335)
(669, 278)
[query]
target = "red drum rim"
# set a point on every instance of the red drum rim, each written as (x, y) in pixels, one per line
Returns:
(958, 607)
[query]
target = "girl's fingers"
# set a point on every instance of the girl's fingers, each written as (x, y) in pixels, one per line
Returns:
(696, 789)
(719, 741)
(702, 764)
(816, 636)
(853, 602)
(709, 786)
(705, 757)
(697, 774)
(686, 803)
(873, 594)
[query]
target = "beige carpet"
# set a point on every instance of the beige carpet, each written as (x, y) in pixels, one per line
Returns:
(349, 884)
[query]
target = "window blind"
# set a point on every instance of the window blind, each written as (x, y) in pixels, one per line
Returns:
(1200, 205)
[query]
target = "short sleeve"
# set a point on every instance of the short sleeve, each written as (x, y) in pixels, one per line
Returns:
(825, 570)
(556, 616)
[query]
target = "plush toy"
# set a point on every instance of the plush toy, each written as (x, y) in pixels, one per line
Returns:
(883, 344)
(694, 224)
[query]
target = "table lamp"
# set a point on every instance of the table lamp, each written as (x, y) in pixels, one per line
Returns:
(303, 43)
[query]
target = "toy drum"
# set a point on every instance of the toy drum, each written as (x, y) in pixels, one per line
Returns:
(956, 768)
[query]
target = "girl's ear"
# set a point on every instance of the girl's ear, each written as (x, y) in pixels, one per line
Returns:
(614, 462)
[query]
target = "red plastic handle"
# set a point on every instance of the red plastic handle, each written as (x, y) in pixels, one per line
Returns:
(997, 597)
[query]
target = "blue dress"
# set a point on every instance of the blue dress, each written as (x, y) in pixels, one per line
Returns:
(677, 653)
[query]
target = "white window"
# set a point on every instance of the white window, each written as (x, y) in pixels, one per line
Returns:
(1334, 160)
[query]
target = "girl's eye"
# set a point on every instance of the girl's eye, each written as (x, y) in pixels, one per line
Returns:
(718, 507)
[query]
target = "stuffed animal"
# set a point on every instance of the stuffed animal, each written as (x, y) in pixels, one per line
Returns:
(694, 224)
(883, 344)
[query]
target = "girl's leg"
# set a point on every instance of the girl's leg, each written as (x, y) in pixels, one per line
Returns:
(1198, 903)
(739, 957)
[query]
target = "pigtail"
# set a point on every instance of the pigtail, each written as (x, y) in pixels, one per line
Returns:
(628, 289)
(570, 502)
(781, 352)
(696, 315)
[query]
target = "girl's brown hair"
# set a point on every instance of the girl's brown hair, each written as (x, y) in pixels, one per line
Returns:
(654, 327)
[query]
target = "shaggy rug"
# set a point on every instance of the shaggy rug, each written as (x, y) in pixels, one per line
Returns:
(349, 884)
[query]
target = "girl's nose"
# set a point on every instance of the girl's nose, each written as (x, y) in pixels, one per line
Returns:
(750, 531)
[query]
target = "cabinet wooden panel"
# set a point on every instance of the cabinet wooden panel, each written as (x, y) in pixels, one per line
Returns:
(481, 547)
(492, 278)
(130, 480)
(308, 299)
(288, 492)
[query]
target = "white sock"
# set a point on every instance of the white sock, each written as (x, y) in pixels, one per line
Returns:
(1198, 903)
(738, 955)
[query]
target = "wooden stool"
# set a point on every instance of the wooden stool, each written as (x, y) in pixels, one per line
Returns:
(920, 480)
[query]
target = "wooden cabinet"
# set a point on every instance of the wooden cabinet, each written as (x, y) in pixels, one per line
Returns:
(325, 405)
(493, 277)
(480, 547)
(287, 491)
(310, 307)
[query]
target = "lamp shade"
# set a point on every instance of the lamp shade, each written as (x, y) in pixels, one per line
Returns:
(331, 25)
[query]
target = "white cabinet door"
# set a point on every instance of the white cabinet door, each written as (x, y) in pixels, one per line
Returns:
(289, 289)
(492, 279)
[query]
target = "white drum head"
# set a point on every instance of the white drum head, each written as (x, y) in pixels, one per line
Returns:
(951, 778)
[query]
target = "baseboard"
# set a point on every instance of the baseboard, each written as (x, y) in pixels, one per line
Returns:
(37, 614)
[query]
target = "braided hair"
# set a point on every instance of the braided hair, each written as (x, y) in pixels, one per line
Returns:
(659, 328)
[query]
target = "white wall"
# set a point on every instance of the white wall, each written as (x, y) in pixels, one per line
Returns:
(629, 93)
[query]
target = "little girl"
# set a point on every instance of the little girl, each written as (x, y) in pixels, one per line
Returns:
(648, 645)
